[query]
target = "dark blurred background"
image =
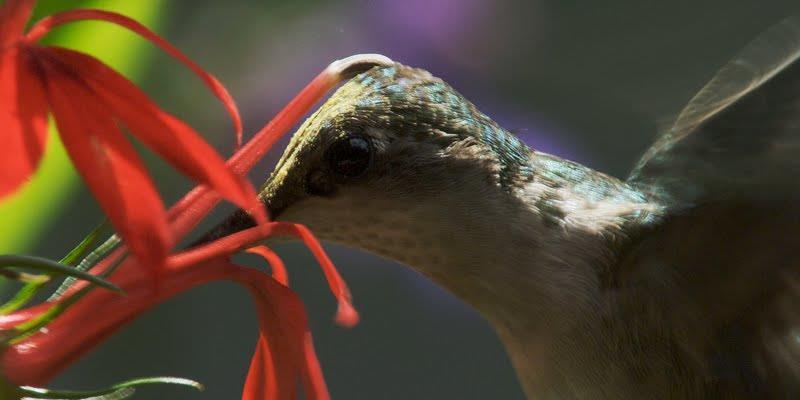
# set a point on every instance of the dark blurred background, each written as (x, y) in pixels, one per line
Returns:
(588, 80)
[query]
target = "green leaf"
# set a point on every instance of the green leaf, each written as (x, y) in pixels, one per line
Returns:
(22, 297)
(119, 391)
(27, 328)
(24, 277)
(83, 247)
(30, 326)
(33, 286)
(52, 267)
(87, 263)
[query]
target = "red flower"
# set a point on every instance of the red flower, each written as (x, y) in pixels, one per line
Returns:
(284, 352)
(34, 80)
(90, 103)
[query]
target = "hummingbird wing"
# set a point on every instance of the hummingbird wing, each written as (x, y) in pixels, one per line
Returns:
(740, 135)
(722, 267)
(715, 291)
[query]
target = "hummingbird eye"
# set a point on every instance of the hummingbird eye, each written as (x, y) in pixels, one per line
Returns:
(350, 156)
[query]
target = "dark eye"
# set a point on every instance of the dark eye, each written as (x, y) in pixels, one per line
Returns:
(350, 156)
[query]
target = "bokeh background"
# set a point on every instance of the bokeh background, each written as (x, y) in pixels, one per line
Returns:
(588, 80)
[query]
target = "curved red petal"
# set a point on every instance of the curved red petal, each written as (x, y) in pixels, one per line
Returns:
(346, 314)
(14, 15)
(260, 379)
(313, 380)
(168, 136)
(23, 116)
(94, 318)
(279, 272)
(110, 166)
(9, 321)
(46, 24)
(219, 248)
(284, 343)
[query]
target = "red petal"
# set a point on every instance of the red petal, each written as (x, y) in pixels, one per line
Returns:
(219, 248)
(279, 272)
(23, 116)
(282, 355)
(346, 315)
(14, 14)
(260, 383)
(9, 321)
(110, 166)
(92, 319)
(168, 136)
(46, 24)
(313, 380)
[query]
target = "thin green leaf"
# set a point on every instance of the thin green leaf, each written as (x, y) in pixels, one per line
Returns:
(24, 277)
(33, 286)
(159, 380)
(120, 394)
(22, 297)
(89, 241)
(50, 266)
(32, 325)
(27, 328)
(102, 394)
(88, 262)
(97, 254)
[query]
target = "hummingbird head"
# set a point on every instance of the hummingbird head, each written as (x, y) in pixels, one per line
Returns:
(399, 164)
(394, 162)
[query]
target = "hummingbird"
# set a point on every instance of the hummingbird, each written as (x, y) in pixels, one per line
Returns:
(681, 280)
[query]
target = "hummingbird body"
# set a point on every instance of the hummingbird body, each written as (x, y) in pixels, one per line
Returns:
(678, 282)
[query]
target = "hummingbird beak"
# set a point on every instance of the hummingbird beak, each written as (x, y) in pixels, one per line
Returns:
(277, 194)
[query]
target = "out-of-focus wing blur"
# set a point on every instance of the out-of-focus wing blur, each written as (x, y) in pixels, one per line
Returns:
(740, 135)
(724, 265)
